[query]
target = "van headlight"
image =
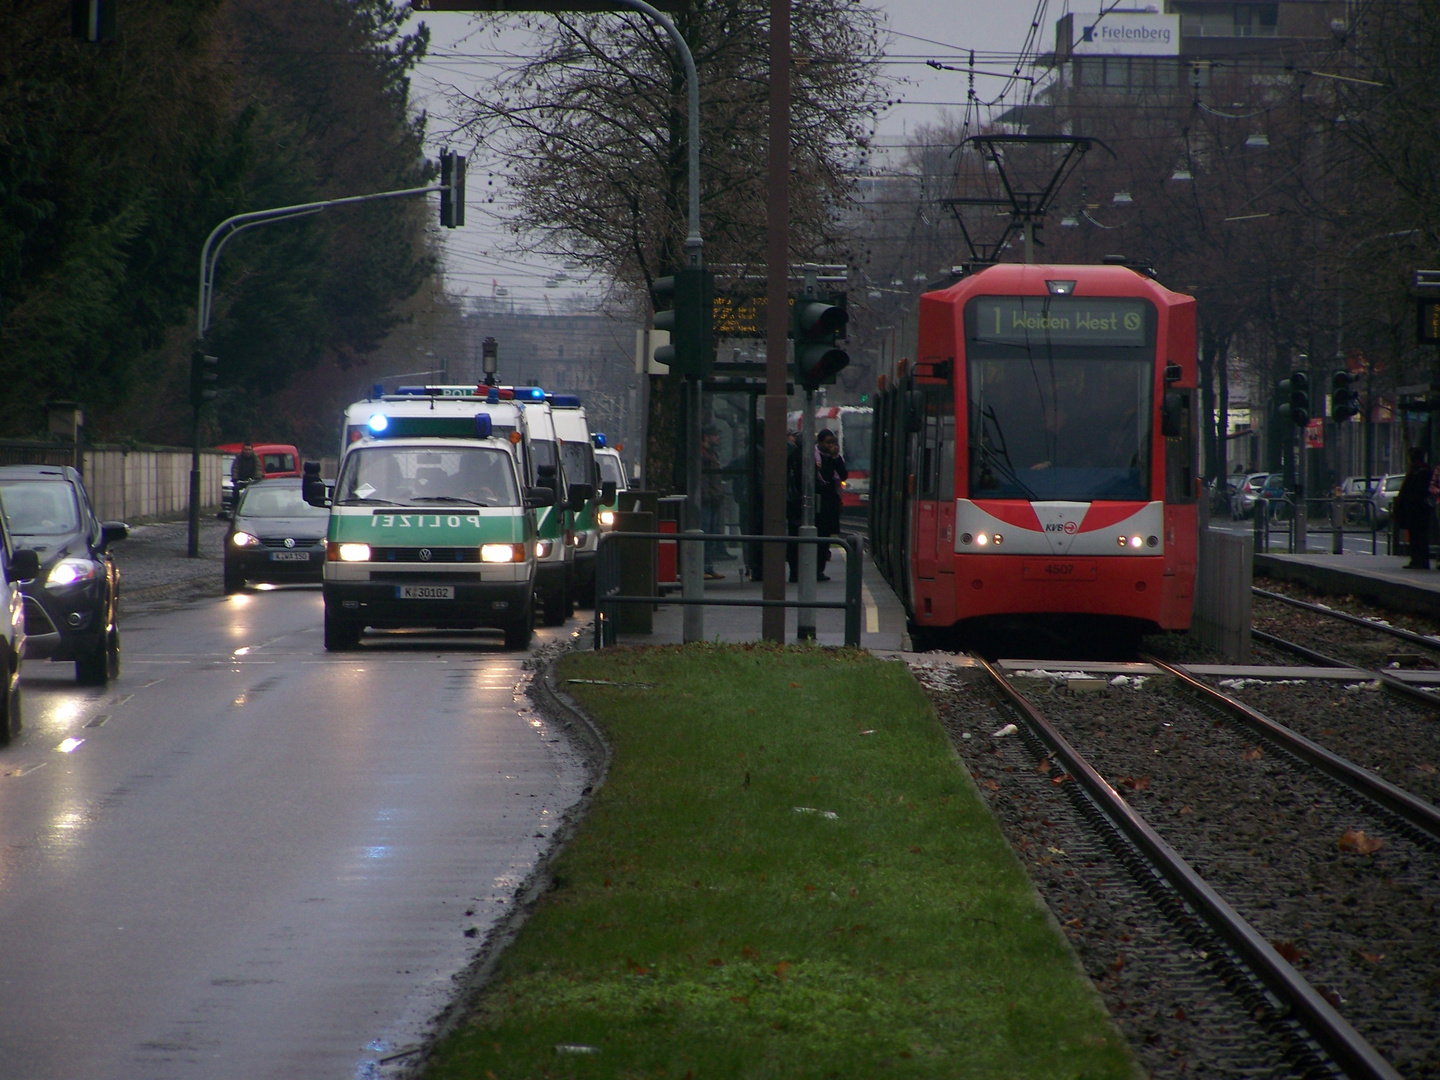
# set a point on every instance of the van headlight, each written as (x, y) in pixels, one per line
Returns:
(607, 518)
(336, 552)
(494, 553)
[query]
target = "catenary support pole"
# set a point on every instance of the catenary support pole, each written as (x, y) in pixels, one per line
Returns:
(777, 316)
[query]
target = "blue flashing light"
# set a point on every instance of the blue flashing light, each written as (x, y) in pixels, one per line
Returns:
(378, 422)
(493, 397)
(599, 439)
(565, 401)
(412, 391)
(377, 391)
(483, 426)
(530, 393)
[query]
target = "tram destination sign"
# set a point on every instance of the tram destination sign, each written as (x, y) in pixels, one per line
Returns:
(1059, 320)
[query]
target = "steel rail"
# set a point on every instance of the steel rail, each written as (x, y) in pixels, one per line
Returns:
(1326, 1026)
(1412, 809)
(1394, 685)
(1423, 640)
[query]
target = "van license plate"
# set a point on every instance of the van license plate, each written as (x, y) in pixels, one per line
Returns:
(290, 556)
(425, 592)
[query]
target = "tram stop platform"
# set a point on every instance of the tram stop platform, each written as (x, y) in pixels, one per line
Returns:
(882, 618)
(1380, 579)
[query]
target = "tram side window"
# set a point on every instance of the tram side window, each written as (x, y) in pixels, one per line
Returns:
(1180, 455)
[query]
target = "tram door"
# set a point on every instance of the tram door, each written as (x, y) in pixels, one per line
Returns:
(934, 461)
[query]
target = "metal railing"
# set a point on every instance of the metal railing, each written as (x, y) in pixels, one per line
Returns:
(608, 564)
(1336, 517)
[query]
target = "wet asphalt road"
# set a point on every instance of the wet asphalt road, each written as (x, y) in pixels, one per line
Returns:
(251, 858)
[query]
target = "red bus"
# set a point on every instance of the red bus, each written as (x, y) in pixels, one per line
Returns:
(1034, 453)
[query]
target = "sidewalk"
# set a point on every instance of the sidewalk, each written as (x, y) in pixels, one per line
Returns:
(155, 572)
(882, 620)
(1380, 579)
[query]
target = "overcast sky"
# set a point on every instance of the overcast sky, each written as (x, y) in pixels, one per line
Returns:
(944, 31)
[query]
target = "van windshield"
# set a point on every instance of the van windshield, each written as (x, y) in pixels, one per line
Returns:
(427, 476)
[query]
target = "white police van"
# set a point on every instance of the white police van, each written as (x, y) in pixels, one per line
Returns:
(432, 523)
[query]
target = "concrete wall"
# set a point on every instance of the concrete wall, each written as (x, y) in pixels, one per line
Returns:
(128, 485)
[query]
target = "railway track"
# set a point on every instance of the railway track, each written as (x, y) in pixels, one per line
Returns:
(1266, 823)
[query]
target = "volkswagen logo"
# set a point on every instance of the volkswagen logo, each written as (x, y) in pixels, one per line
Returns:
(425, 554)
(289, 541)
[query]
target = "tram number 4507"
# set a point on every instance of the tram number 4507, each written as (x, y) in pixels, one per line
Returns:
(1051, 570)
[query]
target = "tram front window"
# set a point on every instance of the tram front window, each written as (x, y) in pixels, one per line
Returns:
(1043, 427)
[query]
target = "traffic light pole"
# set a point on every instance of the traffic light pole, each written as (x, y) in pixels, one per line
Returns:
(209, 256)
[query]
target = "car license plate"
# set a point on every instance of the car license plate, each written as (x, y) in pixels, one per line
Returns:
(425, 592)
(290, 556)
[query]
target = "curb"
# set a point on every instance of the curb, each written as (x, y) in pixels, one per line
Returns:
(578, 726)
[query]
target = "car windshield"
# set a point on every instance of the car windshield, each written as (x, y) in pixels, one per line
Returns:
(579, 462)
(280, 501)
(39, 507)
(427, 476)
(610, 471)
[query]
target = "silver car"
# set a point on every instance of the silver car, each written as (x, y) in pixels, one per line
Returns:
(1384, 497)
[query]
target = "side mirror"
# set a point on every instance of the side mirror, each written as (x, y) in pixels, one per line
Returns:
(312, 487)
(110, 531)
(537, 497)
(548, 477)
(914, 412)
(607, 492)
(1172, 411)
(25, 564)
(580, 494)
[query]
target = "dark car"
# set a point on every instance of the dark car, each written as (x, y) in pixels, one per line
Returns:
(72, 604)
(16, 565)
(275, 536)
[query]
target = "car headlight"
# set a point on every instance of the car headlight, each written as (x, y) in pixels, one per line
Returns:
(70, 572)
(502, 552)
(335, 552)
(244, 539)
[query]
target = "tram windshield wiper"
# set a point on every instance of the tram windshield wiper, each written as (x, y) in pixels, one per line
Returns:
(1001, 460)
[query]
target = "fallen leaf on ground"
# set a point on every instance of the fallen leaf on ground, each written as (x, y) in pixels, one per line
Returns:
(1135, 783)
(1354, 841)
(1253, 753)
(1371, 957)
(1289, 951)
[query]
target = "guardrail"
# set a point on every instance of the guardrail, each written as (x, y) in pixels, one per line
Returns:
(1335, 517)
(608, 569)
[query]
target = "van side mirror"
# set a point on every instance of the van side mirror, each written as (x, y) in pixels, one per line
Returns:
(607, 492)
(312, 487)
(25, 564)
(537, 497)
(548, 477)
(580, 494)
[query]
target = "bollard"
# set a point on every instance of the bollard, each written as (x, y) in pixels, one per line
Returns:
(854, 584)
(692, 586)
(1261, 524)
(636, 559)
(808, 561)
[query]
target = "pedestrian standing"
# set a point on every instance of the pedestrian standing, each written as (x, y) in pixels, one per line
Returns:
(1412, 509)
(830, 475)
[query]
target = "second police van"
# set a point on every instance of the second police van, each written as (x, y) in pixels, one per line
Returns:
(433, 522)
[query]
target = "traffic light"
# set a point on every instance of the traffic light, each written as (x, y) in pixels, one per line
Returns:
(202, 378)
(1344, 399)
(816, 325)
(452, 190)
(1294, 398)
(689, 321)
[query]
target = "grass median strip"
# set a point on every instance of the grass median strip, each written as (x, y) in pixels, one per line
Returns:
(788, 873)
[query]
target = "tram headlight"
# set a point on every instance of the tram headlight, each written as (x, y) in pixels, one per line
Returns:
(966, 538)
(1137, 542)
(997, 539)
(1152, 541)
(981, 540)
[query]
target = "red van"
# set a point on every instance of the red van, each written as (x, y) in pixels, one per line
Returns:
(276, 459)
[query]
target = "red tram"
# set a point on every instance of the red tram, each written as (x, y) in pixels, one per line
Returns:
(1035, 455)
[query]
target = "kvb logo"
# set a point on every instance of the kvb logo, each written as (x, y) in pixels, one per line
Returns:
(1070, 528)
